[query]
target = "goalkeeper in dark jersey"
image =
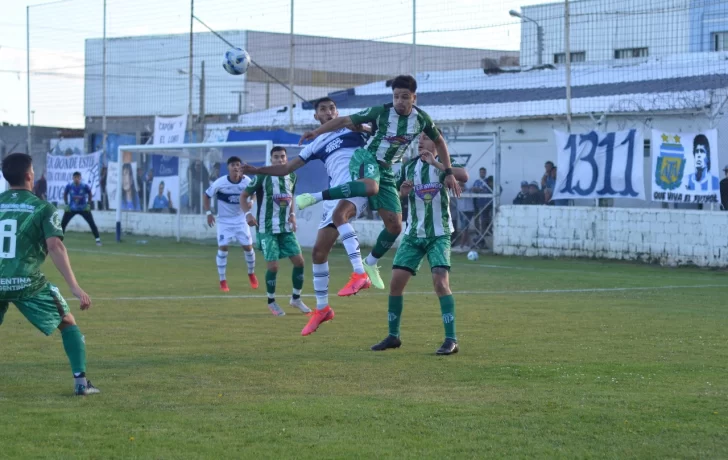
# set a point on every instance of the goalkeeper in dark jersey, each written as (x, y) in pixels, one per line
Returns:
(30, 229)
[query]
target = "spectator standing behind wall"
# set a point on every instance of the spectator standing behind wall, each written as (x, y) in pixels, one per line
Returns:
(466, 209)
(535, 196)
(724, 190)
(548, 180)
(523, 194)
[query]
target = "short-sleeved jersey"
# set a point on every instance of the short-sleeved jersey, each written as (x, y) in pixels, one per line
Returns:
(275, 202)
(429, 202)
(77, 196)
(394, 132)
(228, 194)
(335, 150)
(26, 222)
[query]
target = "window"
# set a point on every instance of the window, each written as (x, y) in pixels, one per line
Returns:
(719, 41)
(628, 53)
(576, 56)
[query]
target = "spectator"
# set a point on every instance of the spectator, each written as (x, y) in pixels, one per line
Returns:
(41, 187)
(547, 194)
(149, 178)
(466, 210)
(104, 201)
(199, 180)
(480, 186)
(548, 180)
(522, 196)
(535, 196)
(724, 190)
(140, 184)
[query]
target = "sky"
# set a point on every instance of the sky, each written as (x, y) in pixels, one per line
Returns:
(58, 31)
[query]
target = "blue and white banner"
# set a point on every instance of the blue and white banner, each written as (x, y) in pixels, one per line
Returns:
(685, 167)
(60, 169)
(600, 165)
(166, 182)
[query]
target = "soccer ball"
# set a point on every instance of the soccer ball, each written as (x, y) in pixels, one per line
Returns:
(236, 61)
(473, 255)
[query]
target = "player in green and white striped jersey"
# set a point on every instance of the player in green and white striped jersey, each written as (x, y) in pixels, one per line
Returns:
(395, 126)
(422, 183)
(276, 222)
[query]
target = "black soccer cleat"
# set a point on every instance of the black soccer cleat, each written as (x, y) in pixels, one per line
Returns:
(448, 347)
(85, 390)
(390, 342)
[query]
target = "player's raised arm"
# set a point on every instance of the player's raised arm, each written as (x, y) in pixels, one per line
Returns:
(59, 255)
(444, 155)
(275, 170)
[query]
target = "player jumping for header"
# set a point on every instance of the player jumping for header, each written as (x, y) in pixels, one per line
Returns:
(80, 195)
(231, 220)
(395, 126)
(335, 149)
(276, 223)
(30, 229)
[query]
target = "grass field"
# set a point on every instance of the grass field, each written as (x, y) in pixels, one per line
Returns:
(567, 358)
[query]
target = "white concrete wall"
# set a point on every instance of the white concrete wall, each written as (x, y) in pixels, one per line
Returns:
(669, 237)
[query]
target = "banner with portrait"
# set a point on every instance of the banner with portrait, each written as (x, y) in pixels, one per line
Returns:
(600, 165)
(685, 167)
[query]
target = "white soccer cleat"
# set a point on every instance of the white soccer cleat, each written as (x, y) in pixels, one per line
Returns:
(298, 303)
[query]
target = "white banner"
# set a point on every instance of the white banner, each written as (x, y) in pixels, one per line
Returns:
(685, 167)
(3, 183)
(600, 165)
(60, 169)
(130, 195)
(169, 130)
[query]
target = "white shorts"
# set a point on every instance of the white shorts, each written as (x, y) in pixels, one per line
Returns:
(327, 218)
(227, 234)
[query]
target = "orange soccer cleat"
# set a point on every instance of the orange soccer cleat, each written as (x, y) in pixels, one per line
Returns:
(223, 286)
(253, 280)
(357, 282)
(318, 317)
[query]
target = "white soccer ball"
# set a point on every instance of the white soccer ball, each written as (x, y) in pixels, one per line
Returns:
(236, 61)
(473, 255)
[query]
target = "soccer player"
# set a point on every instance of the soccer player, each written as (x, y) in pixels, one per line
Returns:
(231, 225)
(30, 229)
(80, 195)
(276, 222)
(422, 182)
(395, 126)
(335, 150)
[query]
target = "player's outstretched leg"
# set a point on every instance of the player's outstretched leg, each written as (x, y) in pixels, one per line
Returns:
(75, 347)
(250, 261)
(270, 285)
(362, 187)
(221, 260)
(297, 280)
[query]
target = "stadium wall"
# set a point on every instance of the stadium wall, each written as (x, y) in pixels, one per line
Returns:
(674, 237)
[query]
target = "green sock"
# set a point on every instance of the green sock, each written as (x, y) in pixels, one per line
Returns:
(394, 313)
(348, 190)
(297, 279)
(385, 240)
(447, 307)
(270, 282)
(75, 346)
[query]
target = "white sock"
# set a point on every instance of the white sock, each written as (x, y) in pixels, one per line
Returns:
(250, 260)
(319, 196)
(371, 260)
(321, 284)
(351, 244)
(221, 263)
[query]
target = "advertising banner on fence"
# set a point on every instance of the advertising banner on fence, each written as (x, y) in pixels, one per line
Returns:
(60, 169)
(685, 167)
(600, 165)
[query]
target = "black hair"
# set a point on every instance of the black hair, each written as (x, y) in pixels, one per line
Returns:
(550, 163)
(482, 169)
(161, 183)
(76, 174)
(278, 148)
(233, 160)
(319, 101)
(15, 166)
(405, 82)
(701, 139)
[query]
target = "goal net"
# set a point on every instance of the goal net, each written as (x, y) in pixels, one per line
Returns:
(162, 186)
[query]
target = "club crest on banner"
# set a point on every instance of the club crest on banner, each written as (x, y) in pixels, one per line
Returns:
(670, 163)
(427, 192)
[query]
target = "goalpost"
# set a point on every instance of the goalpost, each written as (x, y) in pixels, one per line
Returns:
(173, 168)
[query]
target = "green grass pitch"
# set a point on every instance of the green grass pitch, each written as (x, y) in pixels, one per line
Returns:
(559, 358)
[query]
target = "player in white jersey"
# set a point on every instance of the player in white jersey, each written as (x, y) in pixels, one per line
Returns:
(335, 150)
(231, 225)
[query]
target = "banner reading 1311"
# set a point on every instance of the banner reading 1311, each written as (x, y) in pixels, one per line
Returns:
(685, 167)
(600, 165)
